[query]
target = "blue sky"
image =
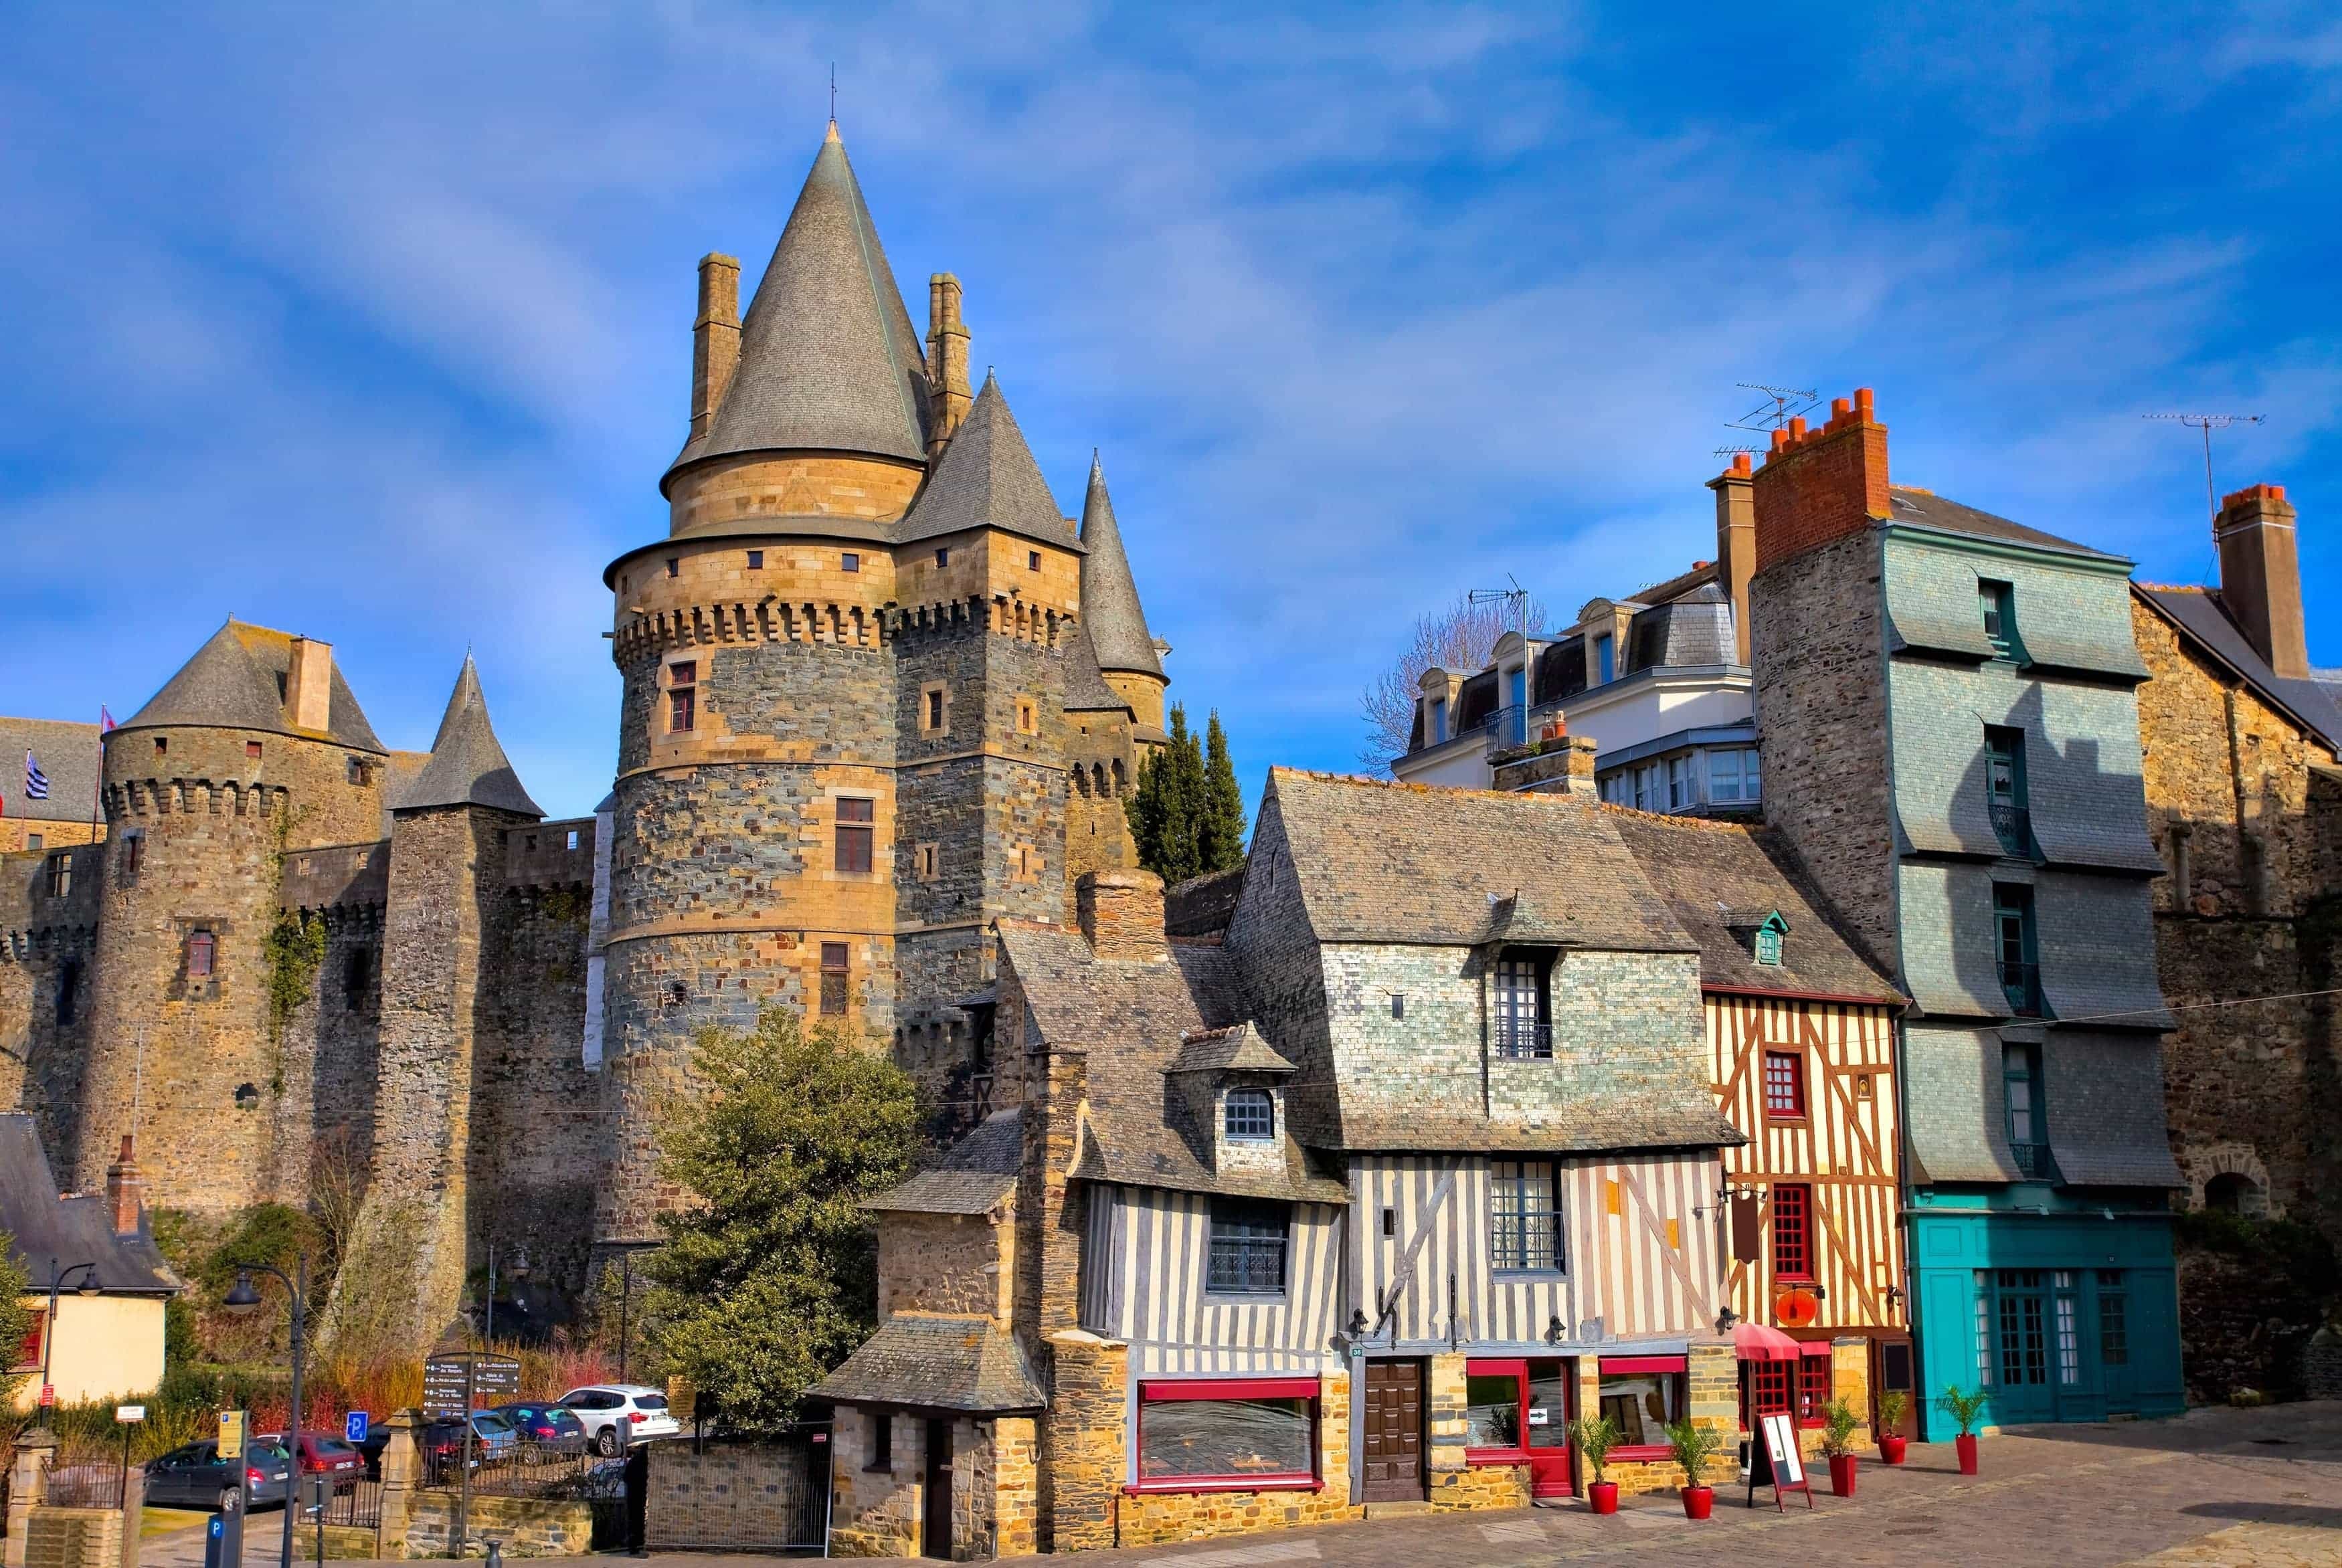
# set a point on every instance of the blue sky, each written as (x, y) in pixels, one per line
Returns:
(373, 323)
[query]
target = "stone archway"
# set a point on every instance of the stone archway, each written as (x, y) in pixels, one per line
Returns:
(2229, 1176)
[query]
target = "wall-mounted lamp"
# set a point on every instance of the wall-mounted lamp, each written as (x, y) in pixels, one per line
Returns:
(1725, 1320)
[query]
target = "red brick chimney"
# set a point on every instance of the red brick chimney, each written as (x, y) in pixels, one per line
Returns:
(1121, 914)
(126, 1191)
(1817, 485)
(2260, 575)
(1735, 543)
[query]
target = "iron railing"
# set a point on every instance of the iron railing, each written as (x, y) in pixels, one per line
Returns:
(1252, 1265)
(517, 1470)
(1518, 1039)
(2013, 825)
(83, 1486)
(2033, 1163)
(2021, 982)
(1508, 726)
(355, 1502)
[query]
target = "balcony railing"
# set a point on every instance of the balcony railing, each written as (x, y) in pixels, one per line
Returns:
(2022, 984)
(2013, 825)
(1525, 1040)
(1508, 727)
(2033, 1162)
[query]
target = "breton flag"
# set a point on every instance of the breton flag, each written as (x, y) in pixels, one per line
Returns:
(36, 783)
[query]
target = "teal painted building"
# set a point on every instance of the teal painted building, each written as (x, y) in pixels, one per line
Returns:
(1946, 706)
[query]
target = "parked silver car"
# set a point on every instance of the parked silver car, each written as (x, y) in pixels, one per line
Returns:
(617, 1416)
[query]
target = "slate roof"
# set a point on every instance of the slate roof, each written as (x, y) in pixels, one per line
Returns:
(2198, 613)
(829, 359)
(936, 1363)
(1203, 905)
(1722, 879)
(1397, 862)
(1238, 1048)
(1086, 688)
(977, 1174)
(1931, 511)
(1110, 607)
(41, 1225)
(986, 478)
(1694, 628)
(1133, 1018)
(234, 681)
(467, 766)
(68, 754)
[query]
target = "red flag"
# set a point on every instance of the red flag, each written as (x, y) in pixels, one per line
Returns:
(104, 719)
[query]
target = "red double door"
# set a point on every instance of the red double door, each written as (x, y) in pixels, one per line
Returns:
(1519, 1413)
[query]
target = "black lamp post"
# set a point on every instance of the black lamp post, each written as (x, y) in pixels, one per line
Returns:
(241, 1298)
(88, 1287)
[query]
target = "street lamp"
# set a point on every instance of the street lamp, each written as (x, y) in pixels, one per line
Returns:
(88, 1287)
(242, 1298)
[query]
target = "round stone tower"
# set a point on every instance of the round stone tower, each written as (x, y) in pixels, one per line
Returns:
(254, 751)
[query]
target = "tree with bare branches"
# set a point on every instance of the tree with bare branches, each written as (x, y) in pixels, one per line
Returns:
(1461, 636)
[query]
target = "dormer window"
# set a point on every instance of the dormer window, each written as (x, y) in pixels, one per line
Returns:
(1606, 659)
(1523, 1028)
(1766, 941)
(1249, 1115)
(1438, 727)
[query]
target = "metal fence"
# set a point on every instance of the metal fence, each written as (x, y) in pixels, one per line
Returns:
(357, 1504)
(85, 1486)
(517, 1470)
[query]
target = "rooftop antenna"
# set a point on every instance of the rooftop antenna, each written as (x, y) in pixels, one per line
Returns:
(1736, 452)
(1515, 598)
(1781, 404)
(2208, 423)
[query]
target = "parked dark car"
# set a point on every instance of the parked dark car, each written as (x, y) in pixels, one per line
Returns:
(546, 1428)
(436, 1443)
(322, 1453)
(195, 1476)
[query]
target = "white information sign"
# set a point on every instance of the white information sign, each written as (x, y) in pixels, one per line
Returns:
(1781, 1448)
(128, 1413)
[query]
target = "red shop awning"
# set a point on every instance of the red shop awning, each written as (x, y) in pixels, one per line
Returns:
(1755, 1342)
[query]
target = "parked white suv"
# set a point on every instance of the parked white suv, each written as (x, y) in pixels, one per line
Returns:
(616, 1414)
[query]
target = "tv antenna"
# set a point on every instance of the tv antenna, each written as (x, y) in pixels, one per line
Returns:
(2208, 423)
(1781, 404)
(1515, 599)
(1736, 452)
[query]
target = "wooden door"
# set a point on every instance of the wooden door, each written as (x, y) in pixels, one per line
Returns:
(1391, 1432)
(937, 1538)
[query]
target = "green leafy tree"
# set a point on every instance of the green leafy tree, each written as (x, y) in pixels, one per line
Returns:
(15, 1322)
(1220, 843)
(770, 1278)
(1187, 818)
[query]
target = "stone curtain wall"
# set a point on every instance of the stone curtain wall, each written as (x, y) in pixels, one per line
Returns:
(947, 1264)
(44, 943)
(332, 1049)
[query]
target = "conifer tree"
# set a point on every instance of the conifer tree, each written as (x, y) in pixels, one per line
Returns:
(1188, 816)
(1221, 844)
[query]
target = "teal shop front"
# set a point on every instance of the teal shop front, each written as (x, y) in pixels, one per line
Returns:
(2067, 1315)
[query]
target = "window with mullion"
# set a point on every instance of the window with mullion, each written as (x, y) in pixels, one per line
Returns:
(1521, 1027)
(1784, 1085)
(1524, 1217)
(1813, 1388)
(1248, 1244)
(1793, 1258)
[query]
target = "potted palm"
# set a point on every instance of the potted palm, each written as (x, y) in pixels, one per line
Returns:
(1965, 1409)
(1892, 1406)
(1595, 1439)
(1839, 1424)
(1694, 1446)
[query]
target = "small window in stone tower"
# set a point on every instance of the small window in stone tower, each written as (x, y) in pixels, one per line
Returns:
(833, 979)
(675, 565)
(60, 874)
(199, 955)
(133, 854)
(161, 744)
(1026, 719)
(1032, 560)
(929, 858)
(934, 717)
(849, 562)
(943, 555)
(683, 695)
(756, 560)
(357, 771)
(854, 834)
(252, 750)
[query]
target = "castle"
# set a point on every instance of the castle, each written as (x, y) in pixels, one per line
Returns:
(878, 691)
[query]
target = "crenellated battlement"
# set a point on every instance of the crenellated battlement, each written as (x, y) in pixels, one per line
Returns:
(721, 623)
(182, 797)
(337, 878)
(1001, 613)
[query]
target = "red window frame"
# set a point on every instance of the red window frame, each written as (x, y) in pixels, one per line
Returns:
(1153, 1392)
(1766, 1386)
(202, 951)
(855, 832)
(1813, 1384)
(1793, 1238)
(1784, 1085)
(1627, 1365)
(28, 1354)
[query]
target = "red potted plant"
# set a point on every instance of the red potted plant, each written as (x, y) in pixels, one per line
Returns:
(1892, 1406)
(1693, 1446)
(1595, 1439)
(1965, 1409)
(1839, 1424)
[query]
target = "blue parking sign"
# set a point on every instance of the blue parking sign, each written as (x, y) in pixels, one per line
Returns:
(354, 1427)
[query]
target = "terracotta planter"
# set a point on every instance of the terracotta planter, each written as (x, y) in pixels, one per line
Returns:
(1965, 1443)
(1841, 1467)
(1699, 1502)
(1603, 1497)
(1890, 1449)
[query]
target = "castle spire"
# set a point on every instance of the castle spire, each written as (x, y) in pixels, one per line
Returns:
(827, 358)
(467, 766)
(986, 478)
(1110, 607)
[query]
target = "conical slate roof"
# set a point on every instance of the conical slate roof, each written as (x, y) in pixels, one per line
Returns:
(827, 358)
(467, 766)
(1110, 607)
(237, 681)
(988, 479)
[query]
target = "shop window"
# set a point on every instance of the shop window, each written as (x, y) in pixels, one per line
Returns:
(60, 871)
(855, 830)
(1784, 1085)
(1248, 1241)
(1250, 1116)
(834, 975)
(1524, 1217)
(1492, 1411)
(1227, 1433)
(683, 695)
(1793, 1258)
(1642, 1395)
(1812, 1387)
(199, 955)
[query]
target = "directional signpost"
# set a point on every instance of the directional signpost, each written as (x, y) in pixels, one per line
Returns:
(454, 1384)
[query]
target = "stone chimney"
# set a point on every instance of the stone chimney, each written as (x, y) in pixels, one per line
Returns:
(946, 361)
(125, 1192)
(1820, 486)
(1563, 764)
(309, 685)
(715, 337)
(2260, 576)
(1735, 543)
(1121, 914)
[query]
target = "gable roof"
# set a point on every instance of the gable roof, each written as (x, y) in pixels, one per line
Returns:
(42, 1225)
(986, 478)
(931, 1363)
(1110, 607)
(1926, 509)
(69, 755)
(828, 360)
(1721, 879)
(2199, 617)
(467, 766)
(235, 681)
(975, 1177)
(1397, 862)
(1238, 1048)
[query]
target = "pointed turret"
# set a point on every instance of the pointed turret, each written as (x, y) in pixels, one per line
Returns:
(467, 766)
(248, 677)
(988, 479)
(828, 361)
(1110, 607)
